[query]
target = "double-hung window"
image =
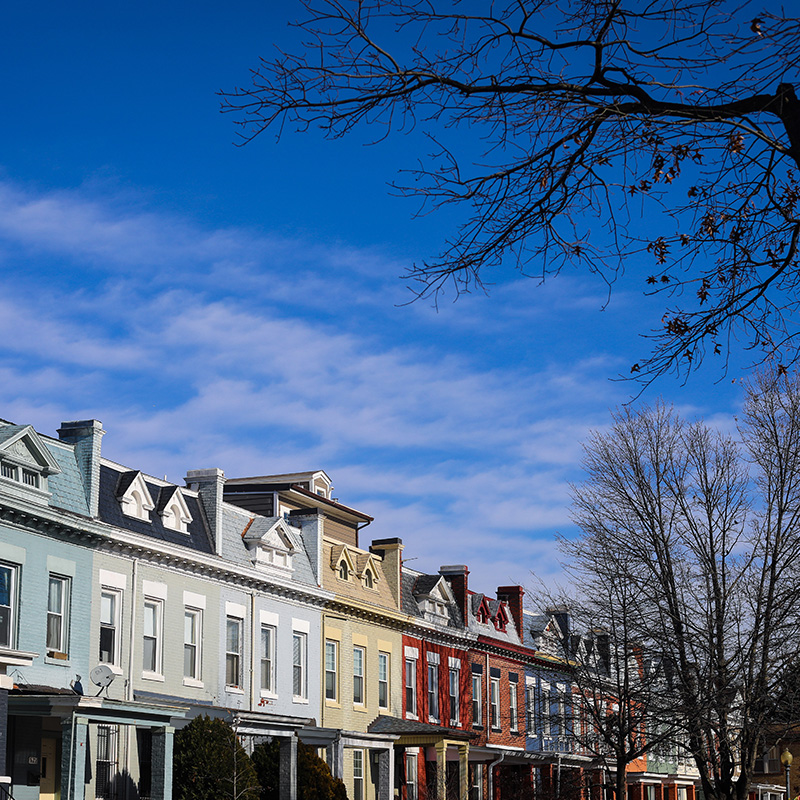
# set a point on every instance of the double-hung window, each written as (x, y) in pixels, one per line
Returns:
(411, 686)
(331, 670)
(299, 665)
(152, 637)
(529, 695)
(268, 636)
(358, 675)
(513, 711)
(455, 706)
(8, 605)
(477, 698)
(110, 602)
(57, 614)
(383, 680)
(358, 775)
(433, 692)
(192, 626)
(233, 652)
(412, 780)
(494, 702)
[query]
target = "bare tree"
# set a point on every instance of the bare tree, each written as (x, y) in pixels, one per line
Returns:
(709, 530)
(597, 133)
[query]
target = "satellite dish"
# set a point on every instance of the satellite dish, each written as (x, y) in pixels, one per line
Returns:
(102, 675)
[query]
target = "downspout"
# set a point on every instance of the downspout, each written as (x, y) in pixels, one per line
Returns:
(129, 689)
(252, 645)
(492, 765)
(558, 776)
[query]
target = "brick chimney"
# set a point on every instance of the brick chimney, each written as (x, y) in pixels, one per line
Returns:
(457, 576)
(391, 551)
(512, 596)
(209, 483)
(86, 435)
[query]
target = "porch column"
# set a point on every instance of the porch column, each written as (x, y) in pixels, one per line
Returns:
(441, 770)
(463, 771)
(385, 774)
(74, 751)
(288, 768)
(161, 786)
(334, 754)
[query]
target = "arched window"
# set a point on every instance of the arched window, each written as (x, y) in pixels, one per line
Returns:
(344, 573)
(368, 580)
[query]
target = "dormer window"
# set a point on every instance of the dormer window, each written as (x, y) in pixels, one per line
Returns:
(134, 496)
(369, 581)
(271, 545)
(344, 572)
(24, 459)
(174, 512)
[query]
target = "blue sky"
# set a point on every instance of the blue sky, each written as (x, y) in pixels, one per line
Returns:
(241, 308)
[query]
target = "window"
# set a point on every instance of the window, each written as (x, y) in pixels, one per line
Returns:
(455, 709)
(513, 721)
(109, 626)
(30, 478)
(331, 670)
(556, 712)
(476, 782)
(369, 581)
(544, 710)
(433, 691)
(649, 792)
(152, 638)
(299, 661)
(529, 709)
(344, 572)
(358, 675)
(682, 793)
(383, 680)
(192, 625)
(411, 686)
(8, 605)
(233, 652)
(358, 775)
(494, 702)
(10, 471)
(412, 779)
(106, 763)
(57, 614)
(268, 636)
(477, 696)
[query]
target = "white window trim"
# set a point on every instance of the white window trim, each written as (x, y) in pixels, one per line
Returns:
(361, 675)
(410, 660)
(114, 664)
(273, 647)
(334, 671)
(63, 613)
(235, 687)
(382, 654)
(195, 680)
(158, 636)
(303, 696)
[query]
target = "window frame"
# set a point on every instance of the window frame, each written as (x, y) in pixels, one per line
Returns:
(454, 691)
(359, 687)
(267, 659)
(115, 595)
(300, 665)
(384, 671)
(477, 699)
(234, 658)
(196, 614)
(63, 615)
(358, 774)
(12, 606)
(332, 670)
(513, 706)
(433, 692)
(410, 671)
(412, 776)
(494, 703)
(156, 636)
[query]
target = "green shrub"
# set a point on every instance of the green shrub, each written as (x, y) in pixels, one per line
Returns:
(209, 763)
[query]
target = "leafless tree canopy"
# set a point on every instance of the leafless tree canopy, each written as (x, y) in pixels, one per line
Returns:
(661, 138)
(703, 534)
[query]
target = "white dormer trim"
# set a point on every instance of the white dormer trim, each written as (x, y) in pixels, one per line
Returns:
(175, 514)
(136, 501)
(273, 548)
(340, 557)
(26, 448)
(434, 603)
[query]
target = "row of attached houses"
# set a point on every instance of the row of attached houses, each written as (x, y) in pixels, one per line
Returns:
(130, 605)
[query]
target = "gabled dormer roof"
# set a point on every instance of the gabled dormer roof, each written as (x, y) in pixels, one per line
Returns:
(339, 552)
(134, 496)
(500, 617)
(270, 532)
(433, 587)
(22, 444)
(481, 608)
(365, 561)
(171, 497)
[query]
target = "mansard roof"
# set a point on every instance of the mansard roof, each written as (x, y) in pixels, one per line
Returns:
(115, 480)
